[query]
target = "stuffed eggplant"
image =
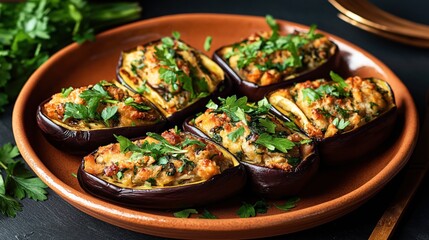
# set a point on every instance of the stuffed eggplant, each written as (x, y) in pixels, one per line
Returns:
(278, 159)
(177, 78)
(349, 118)
(172, 170)
(78, 120)
(268, 60)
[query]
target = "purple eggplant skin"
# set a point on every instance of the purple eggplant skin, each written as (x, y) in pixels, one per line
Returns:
(273, 183)
(221, 186)
(353, 145)
(255, 92)
(223, 90)
(78, 142)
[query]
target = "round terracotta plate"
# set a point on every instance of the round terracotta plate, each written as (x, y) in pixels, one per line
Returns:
(333, 193)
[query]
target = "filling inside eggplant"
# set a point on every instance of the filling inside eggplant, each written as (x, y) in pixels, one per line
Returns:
(173, 158)
(265, 58)
(170, 73)
(325, 108)
(100, 106)
(254, 135)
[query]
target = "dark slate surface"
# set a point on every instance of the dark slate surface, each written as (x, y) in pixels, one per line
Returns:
(56, 219)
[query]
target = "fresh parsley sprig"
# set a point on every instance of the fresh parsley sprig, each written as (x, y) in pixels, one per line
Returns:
(173, 76)
(337, 89)
(249, 53)
(31, 31)
(260, 124)
(16, 182)
(162, 151)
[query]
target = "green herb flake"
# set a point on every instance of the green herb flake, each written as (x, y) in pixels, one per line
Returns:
(273, 143)
(119, 175)
(207, 215)
(108, 113)
(74, 175)
(176, 35)
(305, 141)
(185, 213)
(233, 136)
(208, 43)
(339, 80)
(268, 124)
(289, 204)
(250, 210)
(340, 123)
(212, 105)
(65, 92)
(246, 210)
(310, 95)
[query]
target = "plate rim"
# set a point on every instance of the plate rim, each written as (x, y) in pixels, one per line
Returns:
(210, 228)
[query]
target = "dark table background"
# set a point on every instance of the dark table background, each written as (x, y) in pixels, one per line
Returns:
(56, 219)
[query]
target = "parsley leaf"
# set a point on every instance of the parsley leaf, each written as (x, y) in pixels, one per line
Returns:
(339, 80)
(310, 95)
(248, 210)
(273, 143)
(340, 123)
(76, 111)
(185, 213)
(19, 182)
(289, 204)
(233, 136)
(268, 124)
(208, 43)
(65, 92)
(108, 113)
(176, 35)
(208, 215)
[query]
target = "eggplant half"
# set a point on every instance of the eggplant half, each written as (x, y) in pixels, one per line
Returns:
(348, 118)
(78, 120)
(266, 61)
(178, 79)
(172, 170)
(279, 160)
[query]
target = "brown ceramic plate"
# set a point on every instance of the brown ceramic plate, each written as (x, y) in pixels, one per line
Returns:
(333, 193)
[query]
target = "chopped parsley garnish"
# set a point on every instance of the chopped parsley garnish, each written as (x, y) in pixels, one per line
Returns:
(233, 136)
(250, 210)
(208, 43)
(207, 215)
(249, 52)
(289, 204)
(174, 76)
(108, 113)
(65, 92)
(273, 143)
(139, 106)
(259, 124)
(340, 123)
(162, 151)
(185, 213)
(337, 89)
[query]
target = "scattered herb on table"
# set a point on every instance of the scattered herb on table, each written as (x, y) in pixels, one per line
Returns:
(31, 31)
(16, 182)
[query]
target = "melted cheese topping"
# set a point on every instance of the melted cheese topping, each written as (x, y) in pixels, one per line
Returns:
(313, 54)
(141, 70)
(366, 100)
(142, 171)
(126, 115)
(218, 126)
